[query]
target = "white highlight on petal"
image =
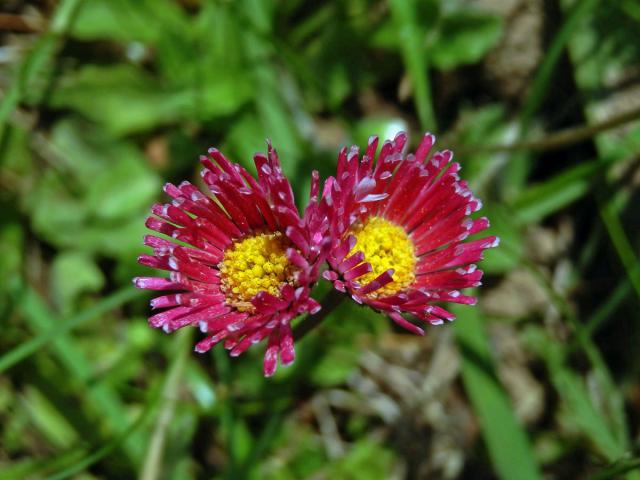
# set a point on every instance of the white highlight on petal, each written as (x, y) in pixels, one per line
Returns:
(374, 197)
(365, 184)
(234, 327)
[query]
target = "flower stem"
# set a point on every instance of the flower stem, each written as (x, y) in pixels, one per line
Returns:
(329, 303)
(563, 138)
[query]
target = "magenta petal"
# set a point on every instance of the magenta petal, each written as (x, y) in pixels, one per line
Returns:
(423, 194)
(271, 356)
(287, 352)
(397, 318)
(236, 206)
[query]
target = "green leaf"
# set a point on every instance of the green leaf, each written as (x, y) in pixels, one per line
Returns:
(618, 468)
(37, 64)
(122, 98)
(11, 246)
(127, 186)
(505, 438)
(82, 149)
(221, 94)
(244, 138)
(16, 161)
(97, 199)
(540, 200)
(70, 222)
(100, 400)
(55, 214)
(44, 337)
(74, 273)
(48, 420)
(118, 239)
(464, 38)
(335, 367)
(366, 459)
(37, 467)
(405, 18)
(275, 114)
(510, 253)
(579, 407)
(125, 20)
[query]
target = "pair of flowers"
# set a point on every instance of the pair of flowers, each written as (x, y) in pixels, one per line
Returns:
(391, 229)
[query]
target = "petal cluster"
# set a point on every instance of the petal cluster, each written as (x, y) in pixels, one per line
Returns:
(393, 230)
(424, 196)
(197, 232)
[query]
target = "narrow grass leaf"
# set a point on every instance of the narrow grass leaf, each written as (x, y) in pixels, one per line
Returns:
(46, 336)
(506, 440)
(541, 200)
(101, 400)
(37, 60)
(518, 169)
(415, 59)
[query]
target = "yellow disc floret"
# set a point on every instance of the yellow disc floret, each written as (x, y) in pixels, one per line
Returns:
(385, 245)
(252, 265)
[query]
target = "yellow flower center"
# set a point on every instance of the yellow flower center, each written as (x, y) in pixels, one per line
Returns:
(252, 265)
(385, 245)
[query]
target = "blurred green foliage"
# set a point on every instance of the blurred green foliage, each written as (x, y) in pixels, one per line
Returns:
(104, 100)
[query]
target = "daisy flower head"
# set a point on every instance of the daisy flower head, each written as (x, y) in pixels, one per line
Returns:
(398, 225)
(241, 259)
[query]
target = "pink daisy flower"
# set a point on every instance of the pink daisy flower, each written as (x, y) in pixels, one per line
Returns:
(398, 226)
(242, 261)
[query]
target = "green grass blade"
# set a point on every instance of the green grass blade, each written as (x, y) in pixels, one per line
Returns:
(36, 61)
(578, 403)
(608, 307)
(152, 465)
(34, 467)
(40, 341)
(617, 469)
(415, 60)
(107, 449)
(173, 375)
(537, 202)
(621, 243)
(101, 400)
(611, 414)
(227, 413)
(505, 438)
(542, 80)
(519, 167)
